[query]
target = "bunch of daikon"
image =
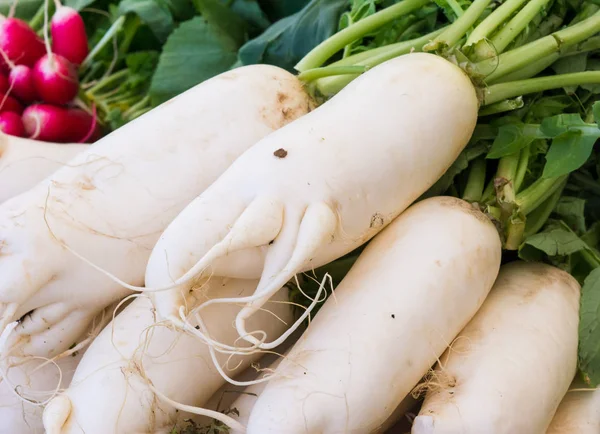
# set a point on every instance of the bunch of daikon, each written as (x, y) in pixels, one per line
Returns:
(194, 218)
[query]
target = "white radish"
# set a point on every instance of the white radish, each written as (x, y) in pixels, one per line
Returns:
(321, 186)
(25, 162)
(578, 412)
(136, 355)
(111, 203)
(411, 291)
(17, 414)
(513, 362)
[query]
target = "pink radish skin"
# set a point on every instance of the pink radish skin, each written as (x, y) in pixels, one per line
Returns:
(57, 124)
(68, 35)
(55, 79)
(21, 80)
(20, 43)
(4, 84)
(9, 104)
(11, 124)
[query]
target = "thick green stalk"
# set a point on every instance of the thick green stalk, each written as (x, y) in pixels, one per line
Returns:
(111, 79)
(515, 227)
(493, 20)
(332, 85)
(520, 57)
(515, 26)
(522, 168)
(502, 91)
(502, 106)
(528, 71)
(475, 182)
(458, 28)
(507, 167)
(538, 217)
(534, 195)
(322, 52)
(328, 71)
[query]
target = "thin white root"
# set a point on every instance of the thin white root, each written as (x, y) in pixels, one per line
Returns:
(229, 421)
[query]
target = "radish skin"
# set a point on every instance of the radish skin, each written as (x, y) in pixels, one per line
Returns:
(55, 79)
(68, 35)
(19, 42)
(11, 124)
(21, 80)
(578, 412)
(112, 201)
(314, 190)
(528, 324)
(109, 376)
(24, 163)
(411, 291)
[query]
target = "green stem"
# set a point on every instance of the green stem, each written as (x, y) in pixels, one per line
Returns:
(455, 7)
(328, 71)
(493, 20)
(116, 26)
(592, 260)
(530, 70)
(332, 85)
(522, 168)
(140, 105)
(515, 26)
(587, 183)
(538, 217)
(458, 28)
(507, 167)
(502, 106)
(322, 52)
(111, 79)
(501, 91)
(38, 19)
(515, 227)
(534, 195)
(475, 182)
(520, 57)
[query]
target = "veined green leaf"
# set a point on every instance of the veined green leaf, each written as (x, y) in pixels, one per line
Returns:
(589, 329)
(152, 12)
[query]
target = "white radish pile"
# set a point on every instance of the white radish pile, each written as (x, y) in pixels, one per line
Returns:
(578, 412)
(513, 363)
(136, 355)
(319, 187)
(104, 211)
(24, 163)
(412, 290)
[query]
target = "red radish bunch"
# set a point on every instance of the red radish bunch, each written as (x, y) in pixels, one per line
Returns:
(39, 81)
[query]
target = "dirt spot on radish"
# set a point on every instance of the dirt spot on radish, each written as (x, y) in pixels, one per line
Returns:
(281, 97)
(377, 221)
(453, 202)
(280, 153)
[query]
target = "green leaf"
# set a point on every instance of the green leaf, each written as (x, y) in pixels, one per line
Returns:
(219, 15)
(568, 152)
(285, 42)
(589, 328)
(550, 106)
(571, 210)
(512, 138)
(278, 9)
(77, 4)
(560, 124)
(194, 52)
(25, 10)
(596, 111)
(182, 10)
(575, 63)
(250, 11)
(154, 13)
(556, 242)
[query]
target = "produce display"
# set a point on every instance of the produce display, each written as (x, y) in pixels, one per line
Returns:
(299, 216)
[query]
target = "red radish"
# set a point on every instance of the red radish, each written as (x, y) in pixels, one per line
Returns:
(55, 79)
(68, 34)
(11, 124)
(21, 80)
(4, 84)
(58, 124)
(20, 43)
(9, 104)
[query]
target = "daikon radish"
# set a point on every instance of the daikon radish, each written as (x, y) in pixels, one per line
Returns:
(578, 412)
(513, 362)
(111, 203)
(25, 162)
(411, 291)
(136, 355)
(322, 185)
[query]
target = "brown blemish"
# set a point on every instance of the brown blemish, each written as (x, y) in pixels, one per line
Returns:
(453, 202)
(376, 221)
(280, 153)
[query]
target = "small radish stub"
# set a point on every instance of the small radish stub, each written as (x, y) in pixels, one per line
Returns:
(11, 124)
(68, 35)
(55, 79)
